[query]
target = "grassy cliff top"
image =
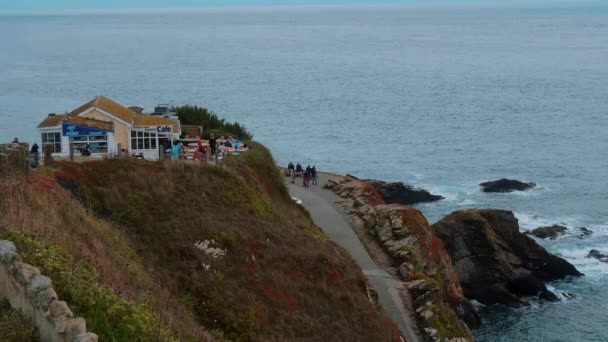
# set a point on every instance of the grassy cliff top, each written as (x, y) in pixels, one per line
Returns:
(220, 249)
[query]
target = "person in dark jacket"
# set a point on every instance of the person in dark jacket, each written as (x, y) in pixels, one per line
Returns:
(313, 175)
(213, 144)
(34, 149)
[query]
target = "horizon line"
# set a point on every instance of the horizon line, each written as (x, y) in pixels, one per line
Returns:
(414, 4)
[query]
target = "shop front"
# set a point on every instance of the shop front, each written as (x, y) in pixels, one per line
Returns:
(151, 141)
(106, 128)
(82, 137)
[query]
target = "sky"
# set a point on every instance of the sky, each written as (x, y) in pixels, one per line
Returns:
(71, 5)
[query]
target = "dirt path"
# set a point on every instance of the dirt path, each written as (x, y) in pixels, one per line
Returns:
(319, 202)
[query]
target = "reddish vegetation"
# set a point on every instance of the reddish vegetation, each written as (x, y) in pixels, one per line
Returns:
(279, 296)
(335, 275)
(375, 198)
(41, 182)
(397, 335)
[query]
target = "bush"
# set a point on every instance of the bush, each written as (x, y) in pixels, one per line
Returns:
(211, 122)
(107, 315)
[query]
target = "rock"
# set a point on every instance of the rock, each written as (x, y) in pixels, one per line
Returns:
(548, 296)
(496, 264)
(400, 193)
(469, 315)
(8, 252)
(505, 185)
(87, 337)
(584, 232)
(25, 272)
(550, 232)
(594, 253)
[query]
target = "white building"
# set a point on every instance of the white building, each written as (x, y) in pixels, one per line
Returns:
(108, 127)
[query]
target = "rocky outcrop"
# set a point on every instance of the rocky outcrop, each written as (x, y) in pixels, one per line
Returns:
(496, 264)
(441, 309)
(506, 185)
(551, 232)
(400, 193)
(594, 253)
(32, 293)
(584, 232)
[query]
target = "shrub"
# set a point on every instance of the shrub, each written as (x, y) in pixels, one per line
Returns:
(107, 315)
(211, 122)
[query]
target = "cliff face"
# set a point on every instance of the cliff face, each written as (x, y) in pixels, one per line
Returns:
(494, 261)
(441, 308)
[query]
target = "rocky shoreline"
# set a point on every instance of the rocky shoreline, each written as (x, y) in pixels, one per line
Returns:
(477, 254)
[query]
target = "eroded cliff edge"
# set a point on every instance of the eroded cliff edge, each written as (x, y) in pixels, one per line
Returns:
(441, 310)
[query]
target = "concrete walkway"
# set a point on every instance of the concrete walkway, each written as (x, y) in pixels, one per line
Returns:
(317, 201)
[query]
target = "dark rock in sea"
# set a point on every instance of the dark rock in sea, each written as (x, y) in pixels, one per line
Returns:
(584, 232)
(399, 193)
(506, 185)
(594, 253)
(550, 232)
(496, 264)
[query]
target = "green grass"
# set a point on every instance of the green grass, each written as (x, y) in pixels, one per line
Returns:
(107, 315)
(13, 326)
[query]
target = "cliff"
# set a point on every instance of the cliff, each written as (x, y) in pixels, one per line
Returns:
(206, 252)
(441, 309)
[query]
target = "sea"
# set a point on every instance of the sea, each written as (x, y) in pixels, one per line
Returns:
(440, 96)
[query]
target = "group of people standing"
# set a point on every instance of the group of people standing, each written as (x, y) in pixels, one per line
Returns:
(202, 152)
(309, 175)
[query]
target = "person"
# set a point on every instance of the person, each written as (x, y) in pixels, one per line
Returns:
(213, 144)
(201, 150)
(183, 154)
(175, 150)
(290, 169)
(221, 150)
(305, 178)
(34, 156)
(298, 168)
(15, 141)
(313, 174)
(34, 149)
(86, 150)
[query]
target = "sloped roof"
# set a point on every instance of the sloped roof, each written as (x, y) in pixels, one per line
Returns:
(52, 120)
(108, 106)
(80, 121)
(55, 120)
(153, 120)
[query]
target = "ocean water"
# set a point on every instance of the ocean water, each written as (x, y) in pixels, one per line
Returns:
(439, 97)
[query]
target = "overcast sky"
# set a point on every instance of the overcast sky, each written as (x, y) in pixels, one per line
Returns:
(61, 5)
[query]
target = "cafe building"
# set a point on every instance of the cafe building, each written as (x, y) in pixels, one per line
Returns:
(108, 128)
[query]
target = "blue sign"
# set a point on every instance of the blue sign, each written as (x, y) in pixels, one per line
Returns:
(71, 130)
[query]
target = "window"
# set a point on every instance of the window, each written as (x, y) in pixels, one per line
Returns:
(143, 140)
(97, 143)
(53, 140)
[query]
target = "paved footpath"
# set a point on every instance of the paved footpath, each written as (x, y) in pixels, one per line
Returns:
(337, 228)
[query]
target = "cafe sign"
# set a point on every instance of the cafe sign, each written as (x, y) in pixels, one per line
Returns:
(159, 129)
